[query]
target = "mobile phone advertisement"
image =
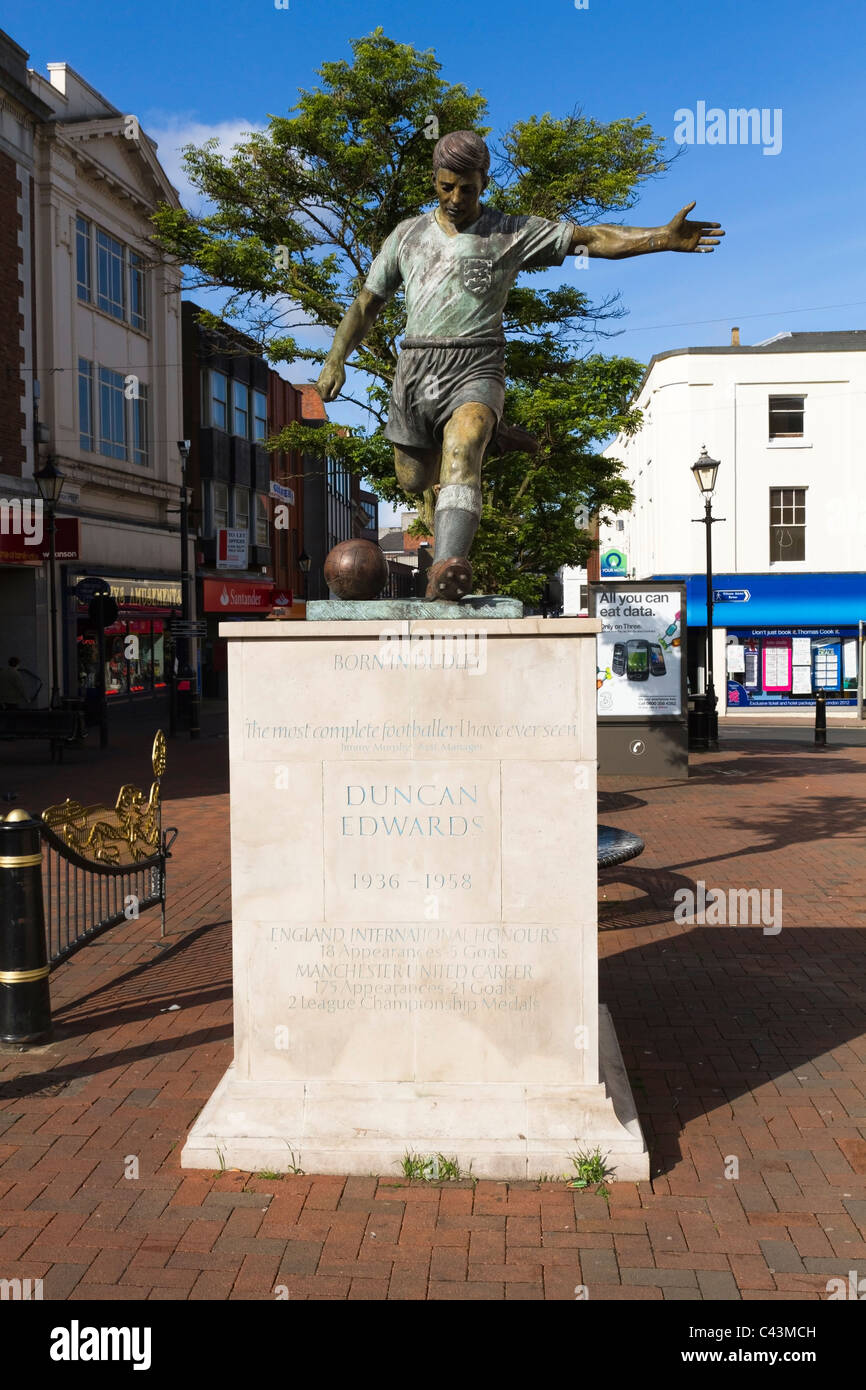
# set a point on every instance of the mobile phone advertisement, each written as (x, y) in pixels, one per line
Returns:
(640, 647)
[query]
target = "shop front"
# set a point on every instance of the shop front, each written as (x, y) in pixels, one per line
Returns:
(137, 644)
(780, 638)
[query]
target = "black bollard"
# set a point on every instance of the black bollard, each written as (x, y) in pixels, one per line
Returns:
(25, 1001)
(821, 719)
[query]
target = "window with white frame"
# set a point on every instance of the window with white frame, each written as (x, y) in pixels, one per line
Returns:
(140, 440)
(82, 258)
(112, 414)
(110, 266)
(786, 417)
(216, 403)
(110, 275)
(787, 524)
(260, 416)
(112, 421)
(85, 404)
(263, 520)
(137, 292)
(240, 410)
(242, 509)
(219, 507)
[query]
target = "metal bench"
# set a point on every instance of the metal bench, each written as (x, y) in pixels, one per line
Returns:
(616, 846)
(59, 726)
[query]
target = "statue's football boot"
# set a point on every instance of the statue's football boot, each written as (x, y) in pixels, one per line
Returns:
(512, 439)
(449, 579)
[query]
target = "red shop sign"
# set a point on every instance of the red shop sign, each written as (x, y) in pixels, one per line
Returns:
(14, 551)
(237, 596)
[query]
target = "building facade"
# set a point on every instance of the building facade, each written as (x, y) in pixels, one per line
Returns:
(99, 329)
(332, 497)
(23, 572)
(785, 418)
(226, 384)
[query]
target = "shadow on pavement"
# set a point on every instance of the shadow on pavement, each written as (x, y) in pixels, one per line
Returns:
(707, 1016)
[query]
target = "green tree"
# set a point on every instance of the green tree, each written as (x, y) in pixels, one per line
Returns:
(296, 214)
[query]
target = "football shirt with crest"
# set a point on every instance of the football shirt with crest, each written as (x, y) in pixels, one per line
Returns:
(457, 286)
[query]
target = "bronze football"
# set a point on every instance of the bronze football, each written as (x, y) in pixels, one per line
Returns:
(356, 570)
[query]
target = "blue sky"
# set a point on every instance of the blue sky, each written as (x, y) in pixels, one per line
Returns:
(794, 253)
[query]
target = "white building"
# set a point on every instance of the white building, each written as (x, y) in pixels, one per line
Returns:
(787, 420)
(104, 349)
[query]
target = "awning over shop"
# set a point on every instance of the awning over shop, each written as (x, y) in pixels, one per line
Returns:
(783, 600)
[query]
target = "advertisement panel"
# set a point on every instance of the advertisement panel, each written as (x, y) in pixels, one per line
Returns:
(640, 666)
(232, 548)
(769, 667)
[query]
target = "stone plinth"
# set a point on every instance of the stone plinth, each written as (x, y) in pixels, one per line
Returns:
(414, 895)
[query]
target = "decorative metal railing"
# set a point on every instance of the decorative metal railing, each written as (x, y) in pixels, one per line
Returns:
(67, 878)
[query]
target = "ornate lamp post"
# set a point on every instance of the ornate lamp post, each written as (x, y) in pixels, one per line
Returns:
(705, 471)
(49, 481)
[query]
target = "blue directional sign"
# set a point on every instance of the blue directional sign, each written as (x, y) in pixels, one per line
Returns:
(731, 595)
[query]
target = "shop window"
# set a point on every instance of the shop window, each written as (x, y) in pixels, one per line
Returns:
(82, 258)
(260, 416)
(786, 417)
(216, 409)
(791, 667)
(787, 524)
(110, 268)
(240, 410)
(85, 404)
(263, 521)
(134, 657)
(112, 414)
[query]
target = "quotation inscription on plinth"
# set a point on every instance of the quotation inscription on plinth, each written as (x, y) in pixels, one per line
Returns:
(414, 895)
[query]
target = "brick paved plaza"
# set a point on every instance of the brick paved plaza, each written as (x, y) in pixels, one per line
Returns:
(746, 1052)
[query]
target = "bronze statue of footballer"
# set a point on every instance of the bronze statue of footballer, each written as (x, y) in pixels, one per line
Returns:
(457, 264)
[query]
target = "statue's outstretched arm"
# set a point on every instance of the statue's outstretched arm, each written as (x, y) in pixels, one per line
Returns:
(616, 243)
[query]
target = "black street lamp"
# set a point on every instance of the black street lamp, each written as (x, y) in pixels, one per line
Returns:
(49, 481)
(705, 472)
(186, 646)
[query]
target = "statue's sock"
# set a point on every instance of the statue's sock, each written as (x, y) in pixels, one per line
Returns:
(458, 511)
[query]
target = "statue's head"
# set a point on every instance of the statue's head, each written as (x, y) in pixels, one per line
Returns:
(461, 164)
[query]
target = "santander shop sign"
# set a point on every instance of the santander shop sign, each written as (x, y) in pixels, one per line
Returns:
(237, 596)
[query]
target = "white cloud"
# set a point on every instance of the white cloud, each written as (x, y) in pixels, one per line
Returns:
(172, 132)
